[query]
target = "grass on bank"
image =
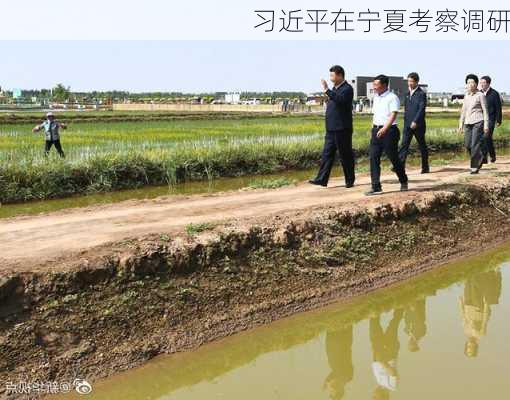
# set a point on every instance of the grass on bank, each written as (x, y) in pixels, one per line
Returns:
(271, 183)
(195, 229)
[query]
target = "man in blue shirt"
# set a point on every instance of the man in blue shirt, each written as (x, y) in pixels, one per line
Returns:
(51, 129)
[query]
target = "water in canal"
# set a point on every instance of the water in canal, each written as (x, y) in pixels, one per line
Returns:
(197, 187)
(444, 335)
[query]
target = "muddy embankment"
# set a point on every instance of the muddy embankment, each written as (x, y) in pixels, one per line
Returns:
(117, 306)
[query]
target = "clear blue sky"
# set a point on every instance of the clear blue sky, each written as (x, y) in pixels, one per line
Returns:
(203, 66)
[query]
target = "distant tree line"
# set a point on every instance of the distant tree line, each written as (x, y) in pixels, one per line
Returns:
(62, 93)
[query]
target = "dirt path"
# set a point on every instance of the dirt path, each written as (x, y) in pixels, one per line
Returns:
(39, 239)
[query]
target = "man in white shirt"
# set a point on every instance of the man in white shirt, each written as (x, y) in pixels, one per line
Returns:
(385, 135)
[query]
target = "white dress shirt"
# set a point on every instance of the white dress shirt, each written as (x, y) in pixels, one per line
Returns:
(385, 104)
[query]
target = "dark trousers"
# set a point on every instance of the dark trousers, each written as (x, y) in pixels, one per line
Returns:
(488, 145)
(407, 138)
(58, 147)
(473, 140)
(334, 141)
(388, 145)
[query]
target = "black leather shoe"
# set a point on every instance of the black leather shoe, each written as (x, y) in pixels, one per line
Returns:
(484, 161)
(318, 183)
(349, 185)
(425, 170)
(493, 159)
(373, 192)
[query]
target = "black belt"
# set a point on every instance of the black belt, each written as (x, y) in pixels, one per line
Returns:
(382, 126)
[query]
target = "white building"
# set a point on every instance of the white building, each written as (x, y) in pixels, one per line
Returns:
(233, 98)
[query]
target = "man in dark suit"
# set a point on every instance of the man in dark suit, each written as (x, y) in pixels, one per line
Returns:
(414, 122)
(495, 106)
(338, 129)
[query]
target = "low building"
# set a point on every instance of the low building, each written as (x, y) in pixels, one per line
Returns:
(233, 98)
(362, 86)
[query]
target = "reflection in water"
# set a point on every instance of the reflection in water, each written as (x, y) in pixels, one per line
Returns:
(481, 291)
(353, 351)
(339, 353)
(385, 347)
(415, 323)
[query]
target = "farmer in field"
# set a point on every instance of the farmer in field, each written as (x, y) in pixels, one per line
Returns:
(474, 121)
(338, 129)
(385, 135)
(51, 129)
(414, 122)
(495, 108)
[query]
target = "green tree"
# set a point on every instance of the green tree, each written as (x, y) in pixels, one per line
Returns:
(61, 93)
